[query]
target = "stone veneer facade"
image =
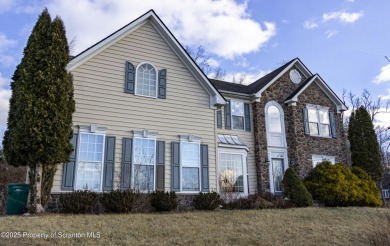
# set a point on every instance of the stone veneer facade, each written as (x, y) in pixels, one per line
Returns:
(300, 146)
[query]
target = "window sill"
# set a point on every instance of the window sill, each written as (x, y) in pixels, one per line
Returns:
(153, 97)
(319, 136)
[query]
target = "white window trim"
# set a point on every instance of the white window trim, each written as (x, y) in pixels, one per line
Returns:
(318, 108)
(184, 139)
(231, 114)
(271, 153)
(283, 133)
(244, 155)
(330, 158)
(133, 161)
(87, 130)
(136, 80)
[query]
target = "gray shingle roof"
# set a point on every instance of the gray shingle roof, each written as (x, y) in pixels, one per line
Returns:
(253, 87)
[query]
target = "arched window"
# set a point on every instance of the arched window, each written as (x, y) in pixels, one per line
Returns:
(276, 145)
(274, 119)
(275, 125)
(146, 80)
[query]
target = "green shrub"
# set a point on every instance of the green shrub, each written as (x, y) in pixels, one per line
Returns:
(78, 202)
(295, 190)
(336, 185)
(207, 201)
(120, 201)
(259, 201)
(164, 201)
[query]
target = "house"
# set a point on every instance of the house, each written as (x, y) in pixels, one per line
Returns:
(148, 118)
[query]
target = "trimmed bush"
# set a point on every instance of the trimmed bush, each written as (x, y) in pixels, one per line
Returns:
(164, 201)
(207, 201)
(337, 185)
(265, 200)
(120, 201)
(79, 202)
(295, 190)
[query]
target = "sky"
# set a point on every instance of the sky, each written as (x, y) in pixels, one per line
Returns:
(344, 41)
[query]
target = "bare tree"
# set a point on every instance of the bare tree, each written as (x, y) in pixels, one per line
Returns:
(203, 60)
(240, 79)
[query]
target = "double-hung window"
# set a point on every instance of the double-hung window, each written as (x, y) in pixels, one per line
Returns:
(190, 166)
(144, 164)
(238, 115)
(90, 162)
(146, 80)
(318, 118)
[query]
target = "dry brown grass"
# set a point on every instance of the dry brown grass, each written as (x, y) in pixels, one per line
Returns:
(300, 226)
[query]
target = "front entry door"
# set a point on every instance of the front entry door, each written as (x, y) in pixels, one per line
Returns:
(277, 174)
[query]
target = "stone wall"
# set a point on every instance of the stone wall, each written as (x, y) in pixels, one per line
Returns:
(300, 146)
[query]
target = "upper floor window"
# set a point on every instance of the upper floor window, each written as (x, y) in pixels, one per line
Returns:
(238, 116)
(318, 119)
(275, 124)
(146, 80)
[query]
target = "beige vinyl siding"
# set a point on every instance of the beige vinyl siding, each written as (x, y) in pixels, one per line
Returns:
(249, 140)
(100, 99)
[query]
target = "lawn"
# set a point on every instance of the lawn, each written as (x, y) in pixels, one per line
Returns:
(300, 226)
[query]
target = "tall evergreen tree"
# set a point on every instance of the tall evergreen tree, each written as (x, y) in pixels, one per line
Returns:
(365, 152)
(41, 105)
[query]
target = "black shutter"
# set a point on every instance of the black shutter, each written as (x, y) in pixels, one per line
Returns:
(109, 164)
(219, 118)
(306, 121)
(160, 165)
(175, 159)
(69, 167)
(332, 125)
(127, 147)
(228, 118)
(247, 114)
(129, 78)
(162, 84)
(204, 158)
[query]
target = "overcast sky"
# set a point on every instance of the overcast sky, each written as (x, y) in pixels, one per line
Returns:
(345, 41)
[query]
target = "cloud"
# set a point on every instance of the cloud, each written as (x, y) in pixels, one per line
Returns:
(310, 24)
(224, 27)
(249, 77)
(382, 119)
(345, 17)
(213, 63)
(384, 75)
(5, 94)
(385, 97)
(5, 45)
(331, 33)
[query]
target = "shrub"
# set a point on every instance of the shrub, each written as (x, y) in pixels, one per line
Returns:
(295, 190)
(164, 201)
(120, 201)
(78, 202)
(337, 185)
(207, 201)
(259, 201)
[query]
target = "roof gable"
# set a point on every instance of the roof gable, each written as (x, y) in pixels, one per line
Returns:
(215, 97)
(259, 86)
(293, 98)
